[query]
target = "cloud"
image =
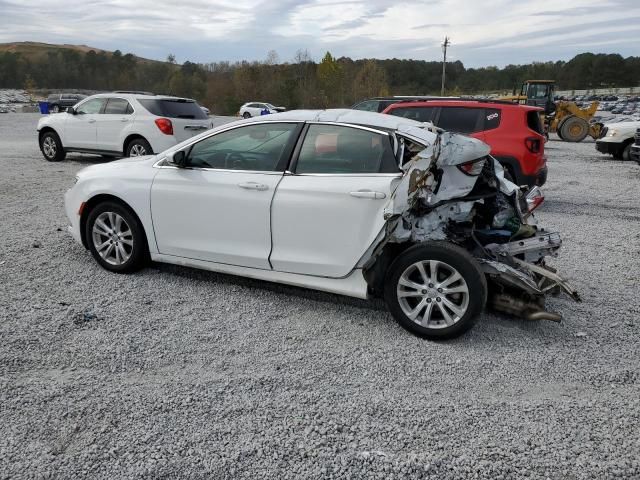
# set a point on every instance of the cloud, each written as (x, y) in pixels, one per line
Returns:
(494, 32)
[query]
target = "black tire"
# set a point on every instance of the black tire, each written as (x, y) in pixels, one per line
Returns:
(138, 252)
(137, 145)
(246, 115)
(574, 129)
(51, 147)
(54, 109)
(454, 258)
(626, 152)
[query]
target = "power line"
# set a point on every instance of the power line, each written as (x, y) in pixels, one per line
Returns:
(444, 62)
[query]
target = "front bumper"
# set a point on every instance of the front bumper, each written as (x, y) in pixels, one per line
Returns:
(72, 207)
(607, 147)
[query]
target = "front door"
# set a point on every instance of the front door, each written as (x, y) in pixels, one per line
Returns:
(329, 210)
(218, 208)
(117, 115)
(80, 128)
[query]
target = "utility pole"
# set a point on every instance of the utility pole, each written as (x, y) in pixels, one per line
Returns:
(444, 62)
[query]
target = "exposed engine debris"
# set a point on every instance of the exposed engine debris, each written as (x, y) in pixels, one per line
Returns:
(454, 190)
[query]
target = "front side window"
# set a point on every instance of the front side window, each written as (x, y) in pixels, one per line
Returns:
(252, 147)
(334, 149)
(118, 106)
(461, 119)
(421, 114)
(91, 106)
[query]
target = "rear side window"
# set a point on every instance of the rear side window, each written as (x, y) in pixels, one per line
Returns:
(173, 108)
(421, 114)
(461, 119)
(367, 106)
(492, 118)
(333, 149)
(534, 123)
(118, 106)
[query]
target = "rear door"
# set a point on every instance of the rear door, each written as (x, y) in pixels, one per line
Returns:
(117, 114)
(80, 128)
(329, 209)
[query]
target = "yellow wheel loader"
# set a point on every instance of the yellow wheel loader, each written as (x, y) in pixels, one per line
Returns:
(570, 122)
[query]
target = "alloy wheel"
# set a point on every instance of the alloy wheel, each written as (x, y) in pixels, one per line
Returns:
(112, 238)
(137, 150)
(432, 294)
(49, 147)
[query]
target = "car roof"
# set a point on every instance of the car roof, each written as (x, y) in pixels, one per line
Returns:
(464, 103)
(140, 95)
(422, 131)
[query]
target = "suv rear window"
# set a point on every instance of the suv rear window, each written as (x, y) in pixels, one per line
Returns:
(421, 114)
(173, 108)
(461, 119)
(534, 123)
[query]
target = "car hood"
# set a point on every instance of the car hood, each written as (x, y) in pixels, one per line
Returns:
(117, 166)
(629, 125)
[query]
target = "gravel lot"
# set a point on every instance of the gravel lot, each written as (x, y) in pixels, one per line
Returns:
(175, 373)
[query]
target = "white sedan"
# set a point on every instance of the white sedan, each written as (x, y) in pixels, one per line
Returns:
(349, 202)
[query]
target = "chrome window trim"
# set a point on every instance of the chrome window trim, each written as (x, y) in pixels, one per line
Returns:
(350, 125)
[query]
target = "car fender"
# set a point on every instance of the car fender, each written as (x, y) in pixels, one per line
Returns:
(56, 122)
(134, 189)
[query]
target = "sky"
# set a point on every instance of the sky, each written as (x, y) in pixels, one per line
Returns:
(483, 32)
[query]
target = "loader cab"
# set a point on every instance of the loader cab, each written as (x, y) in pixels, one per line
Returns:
(539, 93)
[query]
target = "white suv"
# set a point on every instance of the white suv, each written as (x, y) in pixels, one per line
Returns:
(121, 124)
(255, 109)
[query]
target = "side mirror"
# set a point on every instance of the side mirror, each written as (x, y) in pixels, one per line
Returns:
(71, 111)
(179, 158)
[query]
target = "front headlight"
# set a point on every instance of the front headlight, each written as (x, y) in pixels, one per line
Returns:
(612, 133)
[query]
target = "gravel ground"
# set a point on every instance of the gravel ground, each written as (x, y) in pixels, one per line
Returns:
(175, 373)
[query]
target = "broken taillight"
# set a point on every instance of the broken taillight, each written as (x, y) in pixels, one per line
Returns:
(533, 144)
(165, 125)
(472, 168)
(534, 199)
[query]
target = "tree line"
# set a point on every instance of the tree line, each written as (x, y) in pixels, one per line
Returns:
(301, 82)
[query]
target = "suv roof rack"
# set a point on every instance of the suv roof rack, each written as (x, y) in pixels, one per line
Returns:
(456, 99)
(134, 92)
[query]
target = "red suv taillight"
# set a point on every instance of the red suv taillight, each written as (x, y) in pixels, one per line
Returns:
(165, 125)
(533, 144)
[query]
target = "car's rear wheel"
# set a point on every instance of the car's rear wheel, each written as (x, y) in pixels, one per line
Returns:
(116, 238)
(55, 109)
(51, 147)
(435, 290)
(138, 147)
(246, 115)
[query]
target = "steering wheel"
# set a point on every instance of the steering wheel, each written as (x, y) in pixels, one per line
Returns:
(234, 161)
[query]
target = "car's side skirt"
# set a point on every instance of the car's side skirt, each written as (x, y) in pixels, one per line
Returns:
(353, 285)
(93, 151)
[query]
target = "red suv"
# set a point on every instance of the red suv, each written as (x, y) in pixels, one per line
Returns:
(514, 132)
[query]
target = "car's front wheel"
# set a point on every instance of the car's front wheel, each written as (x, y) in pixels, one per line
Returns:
(246, 115)
(51, 147)
(116, 238)
(435, 290)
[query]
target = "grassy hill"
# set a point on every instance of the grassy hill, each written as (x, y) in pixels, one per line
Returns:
(38, 50)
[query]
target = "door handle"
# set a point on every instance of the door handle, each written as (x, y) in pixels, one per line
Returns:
(253, 186)
(124, 119)
(92, 120)
(368, 194)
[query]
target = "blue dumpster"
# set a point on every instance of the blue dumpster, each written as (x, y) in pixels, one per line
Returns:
(44, 107)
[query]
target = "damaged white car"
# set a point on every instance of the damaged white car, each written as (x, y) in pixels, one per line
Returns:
(350, 202)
